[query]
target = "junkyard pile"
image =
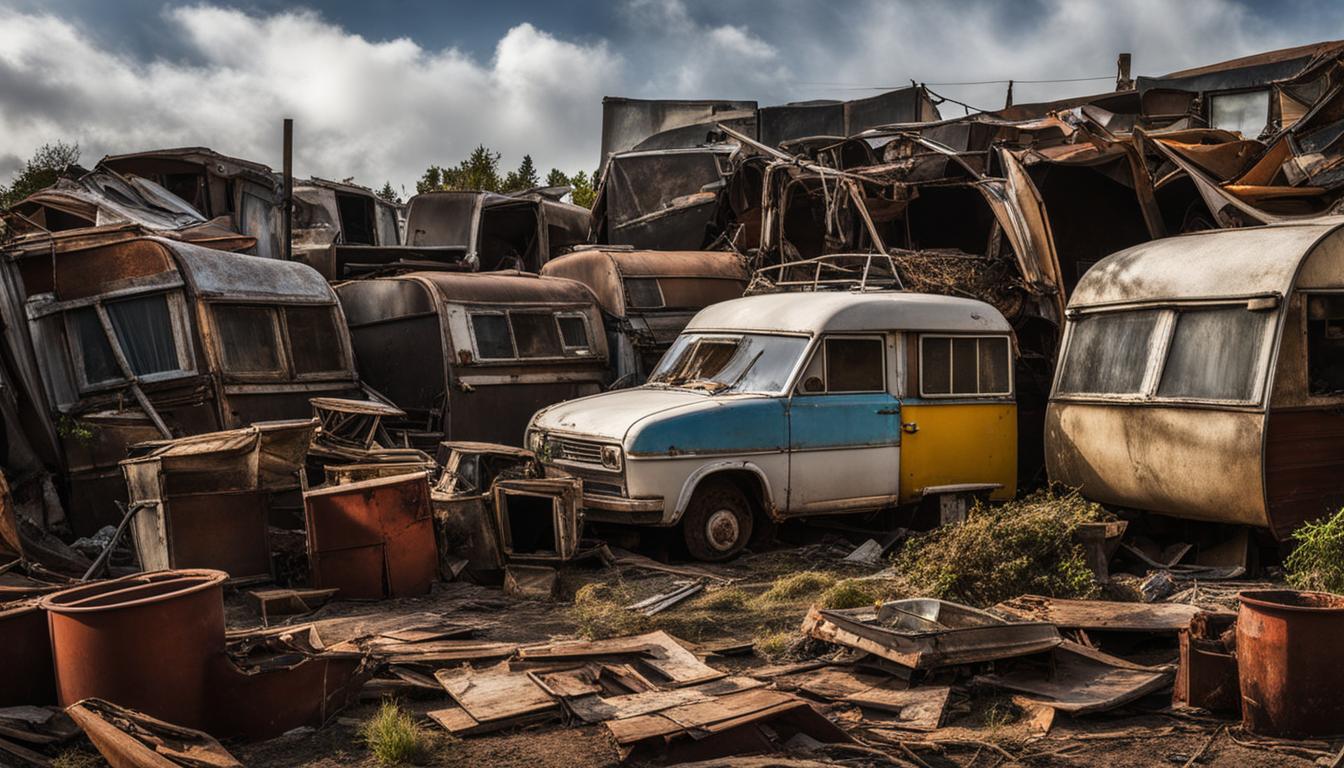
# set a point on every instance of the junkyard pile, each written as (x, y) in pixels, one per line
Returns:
(269, 502)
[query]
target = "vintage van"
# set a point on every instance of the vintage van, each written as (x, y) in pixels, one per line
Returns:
(793, 404)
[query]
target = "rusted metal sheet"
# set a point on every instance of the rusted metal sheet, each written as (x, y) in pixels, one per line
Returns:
(1104, 615)
(373, 539)
(109, 638)
(1207, 675)
(1079, 680)
(925, 634)
(27, 649)
(1287, 660)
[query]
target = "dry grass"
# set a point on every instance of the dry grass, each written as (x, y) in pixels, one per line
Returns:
(725, 599)
(75, 757)
(394, 737)
(852, 593)
(599, 612)
(1002, 551)
(774, 646)
(797, 585)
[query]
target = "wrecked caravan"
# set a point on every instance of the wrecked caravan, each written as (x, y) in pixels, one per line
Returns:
(661, 198)
(1202, 376)
(329, 214)
(797, 404)
(647, 297)
(216, 185)
(469, 231)
(143, 338)
(473, 356)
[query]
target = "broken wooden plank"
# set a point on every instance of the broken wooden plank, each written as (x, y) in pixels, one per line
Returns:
(658, 603)
(596, 709)
(658, 651)
(427, 632)
(497, 693)
(866, 553)
(1079, 680)
(917, 709)
(1156, 618)
(632, 560)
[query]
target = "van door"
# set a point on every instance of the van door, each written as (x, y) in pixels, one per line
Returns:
(960, 425)
(845, 428)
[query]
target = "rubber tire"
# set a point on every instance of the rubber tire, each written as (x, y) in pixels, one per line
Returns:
(711, 497)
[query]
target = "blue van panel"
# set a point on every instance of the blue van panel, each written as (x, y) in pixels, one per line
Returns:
(838, 421)
(736, 426)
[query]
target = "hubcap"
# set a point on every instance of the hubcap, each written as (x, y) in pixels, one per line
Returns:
(722, 530)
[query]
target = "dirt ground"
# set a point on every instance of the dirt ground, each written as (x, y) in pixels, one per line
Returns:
(982, 729)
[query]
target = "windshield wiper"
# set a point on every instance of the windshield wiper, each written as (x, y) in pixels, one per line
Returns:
(739, 376)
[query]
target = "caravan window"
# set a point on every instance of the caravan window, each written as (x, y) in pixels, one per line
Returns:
(536, 334)
(573, 331)
(314, 339)
(1325, 345)
(1215, 354)
(148, 330)
(514, 335)
(98, 363)
(1246, 112)
(1108, 353)
(249, 339)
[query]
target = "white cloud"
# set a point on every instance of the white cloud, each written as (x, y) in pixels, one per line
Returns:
(385, 109)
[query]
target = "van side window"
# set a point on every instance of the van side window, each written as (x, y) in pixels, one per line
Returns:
(855, 365)
(965, 365)
(1215, 354)
(1325, 344)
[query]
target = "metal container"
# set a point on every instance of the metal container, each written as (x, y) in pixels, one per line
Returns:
(1292, 683)
(146, 642)
(27, 647)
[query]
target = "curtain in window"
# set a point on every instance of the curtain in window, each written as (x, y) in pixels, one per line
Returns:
(144, 329)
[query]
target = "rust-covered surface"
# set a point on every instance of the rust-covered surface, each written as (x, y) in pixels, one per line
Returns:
(146, 641)
(373, 539)
(686, 279)
(27, 648)
(1290, 675)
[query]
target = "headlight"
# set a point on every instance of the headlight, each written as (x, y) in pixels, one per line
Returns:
(535, 439)
(611, 457)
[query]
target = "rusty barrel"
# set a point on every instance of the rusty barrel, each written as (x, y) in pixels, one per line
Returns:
(145, 641)
(1292, 681)
(27, 650)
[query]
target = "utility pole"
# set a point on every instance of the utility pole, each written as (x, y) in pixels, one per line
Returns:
(289, 188)
(1122, 79)
(1009, 102)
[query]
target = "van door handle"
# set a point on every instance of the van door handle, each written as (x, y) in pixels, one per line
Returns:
(910, 427)
(889, 412)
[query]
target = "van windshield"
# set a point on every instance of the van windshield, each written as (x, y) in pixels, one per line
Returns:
(729, 362)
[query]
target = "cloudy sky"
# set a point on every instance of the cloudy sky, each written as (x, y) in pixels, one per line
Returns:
(379, 91)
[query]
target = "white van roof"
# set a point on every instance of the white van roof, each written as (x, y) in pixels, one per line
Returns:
(845, 311)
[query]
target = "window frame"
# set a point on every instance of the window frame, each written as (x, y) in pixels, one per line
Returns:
(182, 341)
(657, 284)
(1307, 294)
(587, 348)
(566, 352)
(1164, 333)
(280, 324)
(951, 361)
(818, 351)
(823, 345)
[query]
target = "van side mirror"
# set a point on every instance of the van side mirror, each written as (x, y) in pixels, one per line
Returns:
(813, 384)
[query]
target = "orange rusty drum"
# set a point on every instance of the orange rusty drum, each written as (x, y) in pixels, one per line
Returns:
(1292, 681)
(27, 648)
(145, 641)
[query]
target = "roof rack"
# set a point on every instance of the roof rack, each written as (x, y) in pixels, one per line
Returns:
(833, 272)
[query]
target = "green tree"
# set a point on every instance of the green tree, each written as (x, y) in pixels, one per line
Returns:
(480, 171)
(557, 178)
(584, 189)
(431, 180)
(40, 172)
(389, 194)
(523, 178)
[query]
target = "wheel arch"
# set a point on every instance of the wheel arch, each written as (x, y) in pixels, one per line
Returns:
(745, 474)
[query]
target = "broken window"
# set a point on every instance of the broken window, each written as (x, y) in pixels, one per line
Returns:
(854, 365)
(715, 363)
(387, 226)
(97, 361)
(535, 334)
(1108, 353)
(249, 339)
(1325, 344)
(493, 338)
(145, 330)
(314, 340)
(1215, 354)
(1246, 112)
(573, 331)
(965, 365)
(357, 223)
(643, 293)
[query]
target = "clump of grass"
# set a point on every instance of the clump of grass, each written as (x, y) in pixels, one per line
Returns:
(1000, 552)
(850, 593)
(394, 738)
(797, 585)
(75, 757)
(1317, 561)
(726, 599)
(599, 612)
(774, 645)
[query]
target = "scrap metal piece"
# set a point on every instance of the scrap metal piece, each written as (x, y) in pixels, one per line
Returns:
(1207, 675)
(1287, 660)
(1154, 618)
(27, 647)
(289, 602)
(923, 633)
(130, 739)
(373, 539)
(538, 520)
(1079, 680)
(536, 582)
(109, 637)
(658, 603)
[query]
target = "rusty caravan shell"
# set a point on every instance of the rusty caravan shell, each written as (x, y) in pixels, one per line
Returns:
(23, 634)
(145, 641)
(373, 539)
(464, 522)
(149, 338)
(648, 297)
(330, 214)
(1202, 376)
(473, 356)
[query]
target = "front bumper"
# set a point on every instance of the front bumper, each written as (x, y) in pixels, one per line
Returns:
(609, 507)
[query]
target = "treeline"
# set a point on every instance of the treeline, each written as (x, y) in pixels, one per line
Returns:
(480, 170)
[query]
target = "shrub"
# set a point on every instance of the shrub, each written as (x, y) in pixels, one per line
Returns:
(599, 612)
(1021, 547)
(393, 736)
(796, 585)
(1317, 562)
(850, 593)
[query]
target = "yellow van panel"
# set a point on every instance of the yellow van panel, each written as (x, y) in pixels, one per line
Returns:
(956, 443)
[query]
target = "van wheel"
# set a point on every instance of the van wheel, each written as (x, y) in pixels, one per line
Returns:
(717, 523)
